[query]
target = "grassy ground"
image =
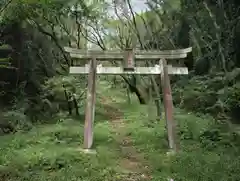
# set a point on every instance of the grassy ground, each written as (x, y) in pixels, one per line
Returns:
(129, 147)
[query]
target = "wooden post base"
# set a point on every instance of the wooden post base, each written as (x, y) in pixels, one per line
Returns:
(171, 153)
(87, 151)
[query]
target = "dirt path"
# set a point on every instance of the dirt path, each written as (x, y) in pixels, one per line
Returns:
(132, 161)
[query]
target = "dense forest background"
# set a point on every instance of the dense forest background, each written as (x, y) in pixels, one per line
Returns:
(33, 34)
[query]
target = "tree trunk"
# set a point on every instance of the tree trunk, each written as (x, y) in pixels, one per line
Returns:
(139, 94)
(134, 89)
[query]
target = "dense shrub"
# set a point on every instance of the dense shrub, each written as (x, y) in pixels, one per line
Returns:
(53, 99)
(205, 166)
(14, 120)
(210, 150)
(217, 94)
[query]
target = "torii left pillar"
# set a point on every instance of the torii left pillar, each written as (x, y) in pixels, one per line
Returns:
(90, 105)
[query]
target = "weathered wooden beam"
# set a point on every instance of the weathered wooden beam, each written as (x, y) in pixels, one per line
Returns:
(118, 56)
(136, 52)
(90, 105)
(137, 70)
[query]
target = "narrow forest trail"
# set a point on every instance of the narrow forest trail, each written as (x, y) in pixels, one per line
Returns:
(131, 160)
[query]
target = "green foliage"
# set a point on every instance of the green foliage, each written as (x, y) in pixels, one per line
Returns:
(53, 99)
(52, 153)
(217, 94)
(17, 119)
(54, 87)
(205, 166)
(209, 149)
(32, 33)
(213, 150)
(37, 32)
(14, 118)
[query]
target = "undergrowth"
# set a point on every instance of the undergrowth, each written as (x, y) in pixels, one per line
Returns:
(209, 148)
(217, 94)
(51, 152)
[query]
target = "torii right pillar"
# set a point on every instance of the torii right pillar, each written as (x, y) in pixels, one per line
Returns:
(168, 106)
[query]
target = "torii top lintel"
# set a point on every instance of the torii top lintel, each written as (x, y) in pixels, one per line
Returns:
(120, 54)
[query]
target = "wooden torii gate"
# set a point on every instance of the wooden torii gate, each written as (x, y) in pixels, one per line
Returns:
(129, 57)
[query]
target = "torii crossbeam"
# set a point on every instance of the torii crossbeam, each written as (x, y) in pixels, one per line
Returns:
(128, 57)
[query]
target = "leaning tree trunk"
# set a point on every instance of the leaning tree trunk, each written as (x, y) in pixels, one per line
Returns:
(140, 93)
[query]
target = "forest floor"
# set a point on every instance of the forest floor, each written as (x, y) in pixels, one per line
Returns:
(130, 144)
(131, 161)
